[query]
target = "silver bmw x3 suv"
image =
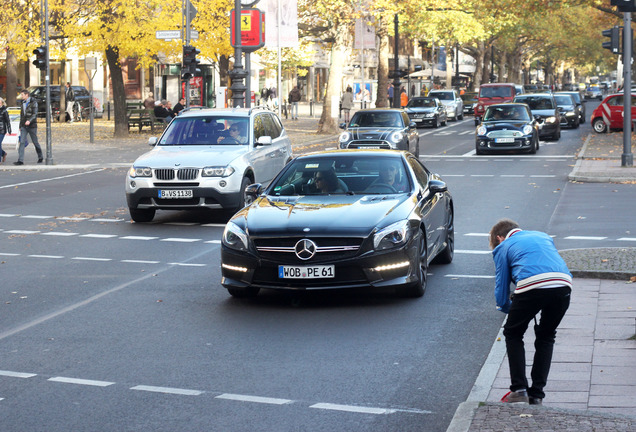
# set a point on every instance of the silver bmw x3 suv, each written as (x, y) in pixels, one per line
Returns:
(205, 159)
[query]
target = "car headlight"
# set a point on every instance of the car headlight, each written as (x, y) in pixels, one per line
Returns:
(551, 119)
(140, 172)
(396, 137)
(225, 171)
(234, 237)
(570, 114)
(527, 130)
(344, 137)
(481, 130)
(429, 115)
(392, 236)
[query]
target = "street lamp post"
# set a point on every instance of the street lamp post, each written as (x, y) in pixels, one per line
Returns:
(238, 73)
(396, 76)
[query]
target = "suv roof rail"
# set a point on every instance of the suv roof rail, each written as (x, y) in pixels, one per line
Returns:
(263, 107)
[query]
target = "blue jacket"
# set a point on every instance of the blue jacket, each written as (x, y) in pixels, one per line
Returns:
(530, 260)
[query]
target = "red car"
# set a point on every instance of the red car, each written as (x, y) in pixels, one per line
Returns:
(609, 114)
(494, 93)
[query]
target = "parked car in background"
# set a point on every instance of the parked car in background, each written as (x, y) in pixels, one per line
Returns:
(531, 88)
(544, 109)
(206, 159)
(568, 110)
(380, 128)
(82, 97)
(470, 100)
(384, 219)
(426, 111)
(493, 93)
(580, 103)
(507, 127)
(451, 100)
(609, 114)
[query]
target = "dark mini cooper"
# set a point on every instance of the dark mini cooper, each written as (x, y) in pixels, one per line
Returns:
(426, 111)
(506, 127)
(341, 219)
(380, 128)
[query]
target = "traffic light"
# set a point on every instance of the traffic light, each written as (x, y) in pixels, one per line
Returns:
(614, 44)
(190, 62)
(40, 57)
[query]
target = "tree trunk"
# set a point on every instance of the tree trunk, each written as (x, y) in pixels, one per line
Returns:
(329, 124)
(501, 68)
(381, 100)
(63, 80)
(119, 92)
(12, 78)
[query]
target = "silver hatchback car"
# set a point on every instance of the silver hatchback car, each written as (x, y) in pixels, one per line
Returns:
(205, 159)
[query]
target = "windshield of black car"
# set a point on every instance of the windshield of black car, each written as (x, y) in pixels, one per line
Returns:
(506, 113)
(537, 102)
(350, 174)
(377, 119)
(495, 92)
(206, 131)
(421, 103)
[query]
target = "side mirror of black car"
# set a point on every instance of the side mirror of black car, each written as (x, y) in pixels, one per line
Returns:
(343, 125)
(537, 117)
(254, 190)
(436, 186)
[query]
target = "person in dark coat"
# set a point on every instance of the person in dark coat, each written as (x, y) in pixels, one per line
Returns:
(179, 106)
(5, 127)
(294, 98)
(28, 126)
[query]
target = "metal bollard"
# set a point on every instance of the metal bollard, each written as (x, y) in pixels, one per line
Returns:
(311, 107)
(108, 106)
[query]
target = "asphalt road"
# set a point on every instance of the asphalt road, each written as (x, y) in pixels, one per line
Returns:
(109, 325)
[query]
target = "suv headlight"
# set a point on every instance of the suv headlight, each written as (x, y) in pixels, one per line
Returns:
(140, 172)
(234, 237)
(217, 171)
(396, 137)
(344, 137)
(392, 236)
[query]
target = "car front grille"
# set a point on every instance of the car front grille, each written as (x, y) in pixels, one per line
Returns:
(327, 249)
(505, 134)
(180, 174)
(369, 143)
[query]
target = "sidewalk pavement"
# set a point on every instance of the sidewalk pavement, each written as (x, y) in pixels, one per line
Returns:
(592, 384)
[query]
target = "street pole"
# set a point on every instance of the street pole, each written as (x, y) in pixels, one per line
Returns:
(186, 37)
(627, 158)
(492, 65)
(49, 148)
(237, 74)
(396, 77)
(457, 65)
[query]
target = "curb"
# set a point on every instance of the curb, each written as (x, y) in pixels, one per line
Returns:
(463, 417)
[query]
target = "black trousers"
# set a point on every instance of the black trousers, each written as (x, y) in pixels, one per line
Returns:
(552, 303)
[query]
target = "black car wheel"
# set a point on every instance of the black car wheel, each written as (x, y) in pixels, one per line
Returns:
(461, 116)
(447, 254)
(418, 287)
(478, 151)
(535, 147)
(247, 292)
(436, 122)
(142, 215)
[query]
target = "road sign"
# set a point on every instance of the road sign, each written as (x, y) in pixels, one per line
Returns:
(252, 29)
(168, 34)
(194, 34)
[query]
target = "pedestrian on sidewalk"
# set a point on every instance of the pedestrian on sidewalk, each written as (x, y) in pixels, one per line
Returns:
(69, 94)
(28, 126)
(294, 98)
(404, 98)
(543, 284)
(347, 103)
(5, 127)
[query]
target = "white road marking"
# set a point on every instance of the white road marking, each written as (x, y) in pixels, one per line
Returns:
(138, 238)
(474, 252)
(257, 399)
(8, 254)
(214, 241)
(21, 232)
(214, 225)
(542, 176)
(180, 240)
(468, 276)
(8, 215)
(46, 256)
(168, 390)
(101, 236)
(140, 262)
(513, 175)
(50, 179)
(353, 408)
(36, 217)
(181, 223)
(584, 238)
(482, 175)
(627, 239)
(58, 233)
(476, 234)
(16, 374)
(106, 220)
(187, 264)
(81, 381)
(91, 259)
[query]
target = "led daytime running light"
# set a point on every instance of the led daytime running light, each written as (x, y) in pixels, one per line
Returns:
(235, 268)
(392, 266)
